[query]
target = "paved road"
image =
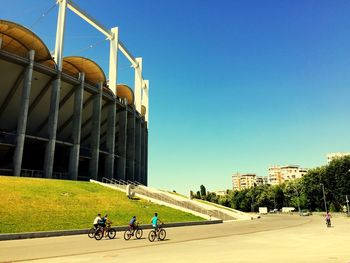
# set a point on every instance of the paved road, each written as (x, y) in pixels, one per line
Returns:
(273, 238)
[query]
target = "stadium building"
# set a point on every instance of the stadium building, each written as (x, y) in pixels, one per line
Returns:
(61, 118)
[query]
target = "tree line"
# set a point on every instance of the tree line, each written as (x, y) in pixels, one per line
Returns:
(331, 181)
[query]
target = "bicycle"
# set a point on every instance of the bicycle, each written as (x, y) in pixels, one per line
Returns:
(105, 231)
(92, 231)
(160, 233)
(137, 231)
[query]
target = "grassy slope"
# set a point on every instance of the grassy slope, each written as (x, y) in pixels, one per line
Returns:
(31, 204)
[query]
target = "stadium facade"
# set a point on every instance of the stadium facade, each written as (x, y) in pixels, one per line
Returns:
(65, 121)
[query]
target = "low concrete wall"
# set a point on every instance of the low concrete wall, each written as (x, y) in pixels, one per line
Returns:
(85, 231)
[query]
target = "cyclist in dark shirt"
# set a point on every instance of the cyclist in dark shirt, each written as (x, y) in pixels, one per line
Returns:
(132, 222)
(103, 221)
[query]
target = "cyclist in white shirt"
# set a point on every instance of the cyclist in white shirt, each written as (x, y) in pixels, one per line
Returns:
(97, 220)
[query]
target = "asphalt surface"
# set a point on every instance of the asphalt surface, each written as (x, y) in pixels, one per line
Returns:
(273, 238)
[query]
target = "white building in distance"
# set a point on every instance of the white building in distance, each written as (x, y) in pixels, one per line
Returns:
(332, 156)
(243, 181)
(261, 180)
(220, 192)
(281, 174)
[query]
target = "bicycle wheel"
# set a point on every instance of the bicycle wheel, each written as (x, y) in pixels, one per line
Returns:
(162, 234)
(152, 235)
(127, 234)
(91, 232)
(98, 234)
(138, 233)
(112, 233)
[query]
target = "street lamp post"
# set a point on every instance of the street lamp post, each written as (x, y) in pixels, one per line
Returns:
(296, 190)
(347, 203)
(324, 198)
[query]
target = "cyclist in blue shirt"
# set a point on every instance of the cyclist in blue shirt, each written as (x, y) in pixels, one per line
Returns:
(103, 221)
(155, 220)
(132, 223)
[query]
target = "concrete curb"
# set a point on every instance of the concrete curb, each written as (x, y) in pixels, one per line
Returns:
(85, 231)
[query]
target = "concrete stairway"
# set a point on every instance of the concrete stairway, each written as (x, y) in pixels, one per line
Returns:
(199, 208)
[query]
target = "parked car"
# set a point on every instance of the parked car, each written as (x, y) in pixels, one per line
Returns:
(305, 213)
(263, 210)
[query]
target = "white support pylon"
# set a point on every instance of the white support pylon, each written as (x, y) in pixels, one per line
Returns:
(61, 22)
(145, 98)
(138, 84)
(113, 60)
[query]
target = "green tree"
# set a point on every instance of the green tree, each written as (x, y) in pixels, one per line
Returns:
(203, 191)
(224, 200)
(191, 194)
(211, 197)
(265, 197)
(337, 183)
(311, 188)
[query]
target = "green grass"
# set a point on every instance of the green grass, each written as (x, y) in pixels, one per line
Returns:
(32, 204)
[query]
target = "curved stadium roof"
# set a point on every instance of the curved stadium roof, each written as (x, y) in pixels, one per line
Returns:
(125, 92)
(74, 65)
(20, 40)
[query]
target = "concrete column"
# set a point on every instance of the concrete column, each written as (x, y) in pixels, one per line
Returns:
(121, 144)
(110, 140)
(146, 157)
(95, 133)
(137, 171)
(23, 116)
(76, 132)
(52, 126)
(130, 148)
(143, 157)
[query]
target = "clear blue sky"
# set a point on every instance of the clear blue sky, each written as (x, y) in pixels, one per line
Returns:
(234, 85)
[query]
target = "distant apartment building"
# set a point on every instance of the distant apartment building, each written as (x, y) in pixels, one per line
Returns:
(275, 175)
(281, 174)
(332, 156)
(243, 181)
(220, 192)
(261, 180)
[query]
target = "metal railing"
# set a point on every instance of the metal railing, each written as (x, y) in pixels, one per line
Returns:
(5, 171)
(8, 138)
(120, 181)
(121, 184)
(32, 173)
(40, 174)
(85, 151)
(60, 175)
